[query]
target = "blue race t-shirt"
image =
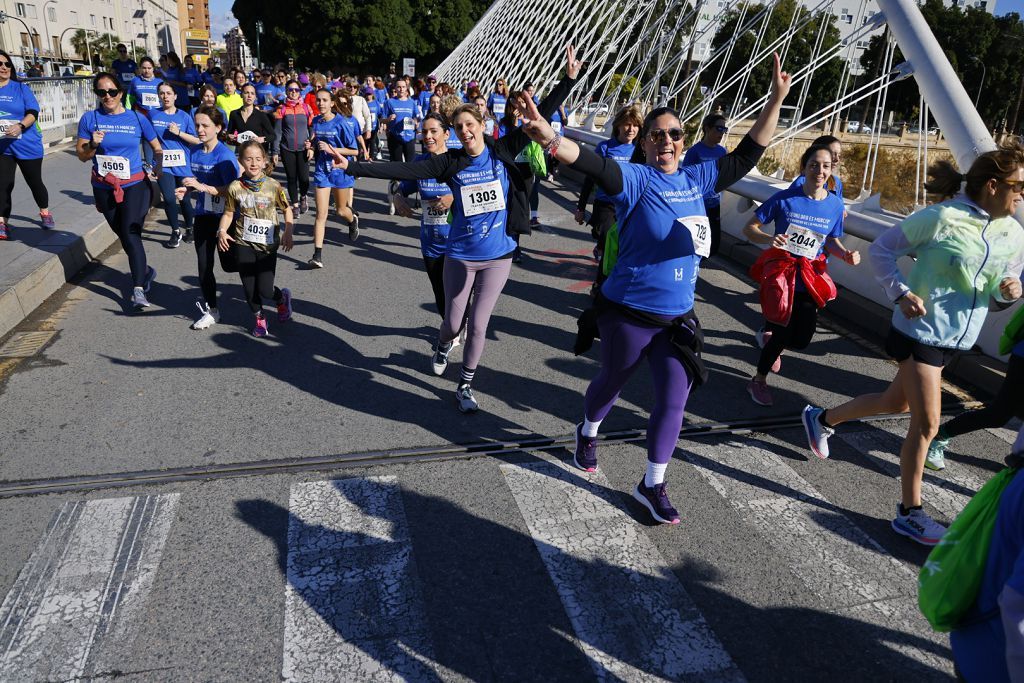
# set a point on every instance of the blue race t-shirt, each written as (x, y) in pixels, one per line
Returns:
(807, 222)
(268, 96)
(478, 228)
(380, 96)
(662, 237)
(374, 107)
(124, 70)
(219, 168)
(833, 185)
(174, 163)
(144, 93)
(699, 154)
(434, 226)
(621, 152)
(979, 650)
(181, 100)
(497, 104)
(423, 100)
(15, 99)
(119, 153)
(340, 131)
(404, 125)
(453, 140)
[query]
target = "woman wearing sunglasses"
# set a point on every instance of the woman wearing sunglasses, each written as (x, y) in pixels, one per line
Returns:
(292, 129)
(709, 148)
(489, 208)
(496, 104)
(109, 137)
(645, 308)
(177, 133)
(21, 145)
(969, 252)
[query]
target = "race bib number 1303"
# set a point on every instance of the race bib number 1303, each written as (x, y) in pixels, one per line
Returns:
(482, 198)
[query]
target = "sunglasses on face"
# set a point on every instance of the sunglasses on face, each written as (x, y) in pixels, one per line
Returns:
(1015, 187)
(6, 65)
(107, 93)
(673, 134)
(294, 90)
(722, 129)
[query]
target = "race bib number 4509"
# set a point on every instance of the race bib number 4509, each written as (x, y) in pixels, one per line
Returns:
(116, 166)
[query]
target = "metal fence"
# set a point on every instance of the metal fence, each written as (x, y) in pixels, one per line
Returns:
(62, 101)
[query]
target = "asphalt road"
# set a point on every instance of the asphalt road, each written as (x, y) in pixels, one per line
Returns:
(508, 567)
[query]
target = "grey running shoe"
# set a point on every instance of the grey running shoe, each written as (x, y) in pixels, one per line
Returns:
(139, 300)
(440, 358)
(353, 228)
(467, 403)
(936, 459)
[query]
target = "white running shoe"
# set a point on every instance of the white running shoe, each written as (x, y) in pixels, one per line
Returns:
(208, 316)
(439, 361)
(467, 403)
(918, 526)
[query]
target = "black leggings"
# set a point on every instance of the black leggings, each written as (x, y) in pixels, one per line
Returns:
(126, 220)
(32, 170)
(206, 254)
(435, 271)
(1008, 403)
(796, 335)
(257, 268)
(715, 219)
(296, 168)
(400, 150)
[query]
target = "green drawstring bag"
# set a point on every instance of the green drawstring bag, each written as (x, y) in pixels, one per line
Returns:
(611, 249)
(535, 155)
(950, 580)
(1012, 333)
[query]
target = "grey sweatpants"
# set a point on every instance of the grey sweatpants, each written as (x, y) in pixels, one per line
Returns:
(484, 280)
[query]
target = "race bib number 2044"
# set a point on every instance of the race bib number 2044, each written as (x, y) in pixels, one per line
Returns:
(803, 242)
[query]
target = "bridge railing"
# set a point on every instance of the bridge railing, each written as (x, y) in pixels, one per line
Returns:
(62, 101)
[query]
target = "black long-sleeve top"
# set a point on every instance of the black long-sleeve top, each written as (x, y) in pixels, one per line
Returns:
(258, 123)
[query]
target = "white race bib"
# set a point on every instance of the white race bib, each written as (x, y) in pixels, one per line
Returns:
(556, 126)
(7, 123)
(489, 127)
(408, 123)
(127, 76)
(432, 216)
(700, 232)
(116, 166)
(213, 204)
(803, 242)
(246, 135)
(149, 99)
(191, 92)
(174, 158)
(482, 198)
(258, 231)
(373, 120)
(499, 108)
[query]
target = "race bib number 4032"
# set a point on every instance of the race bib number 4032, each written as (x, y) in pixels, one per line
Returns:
(482, 198)
(803, 242)
(258, 231)
(700, 232)
(116, 166)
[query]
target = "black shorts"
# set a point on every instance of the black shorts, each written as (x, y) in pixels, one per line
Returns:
(901, 347)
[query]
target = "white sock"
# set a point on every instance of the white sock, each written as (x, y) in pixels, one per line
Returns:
(589, 428)
(534, 214)
(655, 474)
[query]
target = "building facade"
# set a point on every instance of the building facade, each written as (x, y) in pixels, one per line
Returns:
(237, 54)
(194, 19)
(41, 30)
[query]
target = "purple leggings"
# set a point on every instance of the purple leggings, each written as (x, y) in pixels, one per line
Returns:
(624, 344)
(484, 280)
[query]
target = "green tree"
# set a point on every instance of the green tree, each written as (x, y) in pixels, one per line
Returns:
(801, 48)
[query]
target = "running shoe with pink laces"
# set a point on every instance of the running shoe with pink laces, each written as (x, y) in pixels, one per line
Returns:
(260, 330)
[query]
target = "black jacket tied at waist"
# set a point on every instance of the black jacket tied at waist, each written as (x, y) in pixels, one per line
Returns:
(686, 334)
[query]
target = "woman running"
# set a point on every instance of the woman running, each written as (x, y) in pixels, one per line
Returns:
(144, 96)
(969, 250)
(437, 198)
(214, 167)
(249, 234)
(335, 134)
(709, 148)
(249, 123)
(490, 205)
(497, 103)
(177, 133)
(21, 145)
(291, 129)
(400, 113)
(109, 137)
(646, 305)
(626, 125)
(808, 222)
(229, 100)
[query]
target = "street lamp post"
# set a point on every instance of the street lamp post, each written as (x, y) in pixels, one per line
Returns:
(46, 24)
(259, 30)
(980, 85)
(60, 41)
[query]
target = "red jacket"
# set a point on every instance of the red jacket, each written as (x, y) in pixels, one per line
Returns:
(775, 273)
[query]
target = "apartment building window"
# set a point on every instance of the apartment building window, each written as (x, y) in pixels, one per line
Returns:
(74, 17)
(92, 19)
(25, 10)
(51, 13)
(844, 15)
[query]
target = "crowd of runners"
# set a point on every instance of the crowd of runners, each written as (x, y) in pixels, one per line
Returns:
(471, 158)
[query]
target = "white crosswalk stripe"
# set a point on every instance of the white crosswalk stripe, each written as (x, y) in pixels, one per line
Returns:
(71, 610)
(849, 572)
(631, 615)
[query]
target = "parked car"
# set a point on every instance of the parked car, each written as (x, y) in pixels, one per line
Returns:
(857, 127)
(588, 109)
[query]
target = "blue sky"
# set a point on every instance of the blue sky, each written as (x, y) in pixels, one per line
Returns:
(221, 18)
(1007, 6)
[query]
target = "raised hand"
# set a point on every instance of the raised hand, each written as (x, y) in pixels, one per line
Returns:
(535, 127)
(572, 65)
(781, 80)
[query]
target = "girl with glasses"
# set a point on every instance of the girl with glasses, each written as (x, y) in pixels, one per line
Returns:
(645, 309)
(969, 255)
(21, 145)
(109, 137)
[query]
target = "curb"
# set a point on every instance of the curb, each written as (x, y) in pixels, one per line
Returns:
(17, 302)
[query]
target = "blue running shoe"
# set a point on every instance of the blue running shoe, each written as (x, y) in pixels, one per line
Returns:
(585, 457)
(817, 433)
(655, 499)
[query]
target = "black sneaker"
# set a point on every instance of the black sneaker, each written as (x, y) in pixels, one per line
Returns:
(353, 228)
(189, 237)
(585, 457)
(175, 240)
(439, 361)
(303, 205)
(655, 499)
(517, 255)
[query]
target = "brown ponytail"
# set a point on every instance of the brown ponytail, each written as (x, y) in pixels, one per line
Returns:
(998, 164)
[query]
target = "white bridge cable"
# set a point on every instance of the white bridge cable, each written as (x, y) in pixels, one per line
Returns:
(876, 138)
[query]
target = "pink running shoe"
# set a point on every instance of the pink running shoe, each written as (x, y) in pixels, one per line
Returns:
(261, 326)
